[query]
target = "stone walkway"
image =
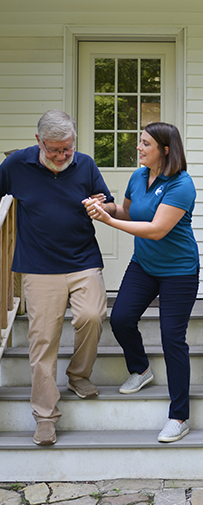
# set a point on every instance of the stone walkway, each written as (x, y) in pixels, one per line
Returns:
(108, 492)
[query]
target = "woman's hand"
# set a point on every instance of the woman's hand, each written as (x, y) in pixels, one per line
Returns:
(94, 209)
(89, 204)
(100, 214)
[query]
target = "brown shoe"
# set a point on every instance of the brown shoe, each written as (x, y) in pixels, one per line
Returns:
(83, 388)
(45, 433)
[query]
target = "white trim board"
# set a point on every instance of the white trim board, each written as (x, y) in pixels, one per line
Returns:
(73, 34)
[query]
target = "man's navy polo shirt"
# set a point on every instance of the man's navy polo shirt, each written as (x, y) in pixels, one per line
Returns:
(177, 252)
(54, 233)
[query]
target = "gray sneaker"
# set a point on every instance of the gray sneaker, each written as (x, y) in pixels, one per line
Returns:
(173, 431)
(136, 382)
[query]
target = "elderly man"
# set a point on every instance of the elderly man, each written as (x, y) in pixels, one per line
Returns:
(58, 255)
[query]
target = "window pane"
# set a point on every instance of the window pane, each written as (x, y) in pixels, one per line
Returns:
(104, 75)
(150, 110)
(150, 76)
(127, 150)
(127, 113)
(123, 108)
(104, 149)
(127, 76)
(104, 112)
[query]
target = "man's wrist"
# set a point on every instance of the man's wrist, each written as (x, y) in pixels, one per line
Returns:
(110, 208)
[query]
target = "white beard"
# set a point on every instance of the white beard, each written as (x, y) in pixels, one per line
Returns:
(51, 165)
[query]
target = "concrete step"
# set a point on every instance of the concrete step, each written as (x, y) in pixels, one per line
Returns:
(145, 410)
(20, 331)
(86, 448)
(149, 327)
(96, 455)
(109, 369)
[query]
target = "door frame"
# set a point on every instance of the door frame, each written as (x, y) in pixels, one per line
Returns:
(74, 34)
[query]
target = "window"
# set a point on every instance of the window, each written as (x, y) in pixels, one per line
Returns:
(127, 96)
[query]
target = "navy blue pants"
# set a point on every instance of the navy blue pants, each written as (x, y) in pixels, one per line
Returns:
(177, 295)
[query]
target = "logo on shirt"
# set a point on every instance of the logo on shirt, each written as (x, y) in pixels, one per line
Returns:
(159, 191)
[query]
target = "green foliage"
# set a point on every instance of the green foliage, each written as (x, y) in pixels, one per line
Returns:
(150, 496)
(96, 495)
(104, 75)
(117, 490)
(104, 112)
(127, 75)
(16, 486)
(104, 149)
(150, 76)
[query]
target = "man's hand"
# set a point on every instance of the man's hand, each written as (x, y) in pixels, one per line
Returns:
(100, 197)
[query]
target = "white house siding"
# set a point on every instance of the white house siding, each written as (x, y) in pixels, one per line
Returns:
(194, 119)
(31, 82)
(31, 66)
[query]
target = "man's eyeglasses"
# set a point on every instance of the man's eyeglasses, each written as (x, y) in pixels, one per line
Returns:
(59, 151)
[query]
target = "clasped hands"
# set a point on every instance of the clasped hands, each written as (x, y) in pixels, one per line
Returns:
(94, 208)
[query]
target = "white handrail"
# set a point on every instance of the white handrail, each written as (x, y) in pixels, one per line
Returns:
(5, 204)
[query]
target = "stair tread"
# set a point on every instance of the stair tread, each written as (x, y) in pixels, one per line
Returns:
(115, 350)
(150, 392)
(151, 312)
(95, 439)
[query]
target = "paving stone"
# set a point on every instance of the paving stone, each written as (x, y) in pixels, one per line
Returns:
(36, 493)
(109, 501)
(13, 486)
(127, 499)
(9, 497)
(197, 496)
(185, 484)
(66, 491)
(170, 497)
(85, 500)
(129, 485)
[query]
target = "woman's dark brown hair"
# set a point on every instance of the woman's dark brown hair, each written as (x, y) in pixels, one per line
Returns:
(168, 135)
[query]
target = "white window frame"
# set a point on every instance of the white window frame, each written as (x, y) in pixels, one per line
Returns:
(138, 57)
(74, 34)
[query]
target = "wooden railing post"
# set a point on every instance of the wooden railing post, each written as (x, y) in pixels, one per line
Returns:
(11, 238)
(5, 273)
(1, 294)
(18, 283)
(8, 303)
(11, 245)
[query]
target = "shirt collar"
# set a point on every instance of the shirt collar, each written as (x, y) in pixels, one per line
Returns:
(145, 174)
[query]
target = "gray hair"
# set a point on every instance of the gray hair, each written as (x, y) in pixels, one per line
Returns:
(56, 125)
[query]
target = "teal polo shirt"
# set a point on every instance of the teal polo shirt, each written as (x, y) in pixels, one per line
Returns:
(177, 252)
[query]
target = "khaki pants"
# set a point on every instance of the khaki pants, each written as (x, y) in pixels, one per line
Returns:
(46, 299)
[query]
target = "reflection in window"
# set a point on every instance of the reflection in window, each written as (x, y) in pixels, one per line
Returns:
(127, 113)
(127, 75)
(104, 75)
(150, 76)
(150, 110)
(104, 112)
(127, 149)
(127, 97)
(104, 149)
